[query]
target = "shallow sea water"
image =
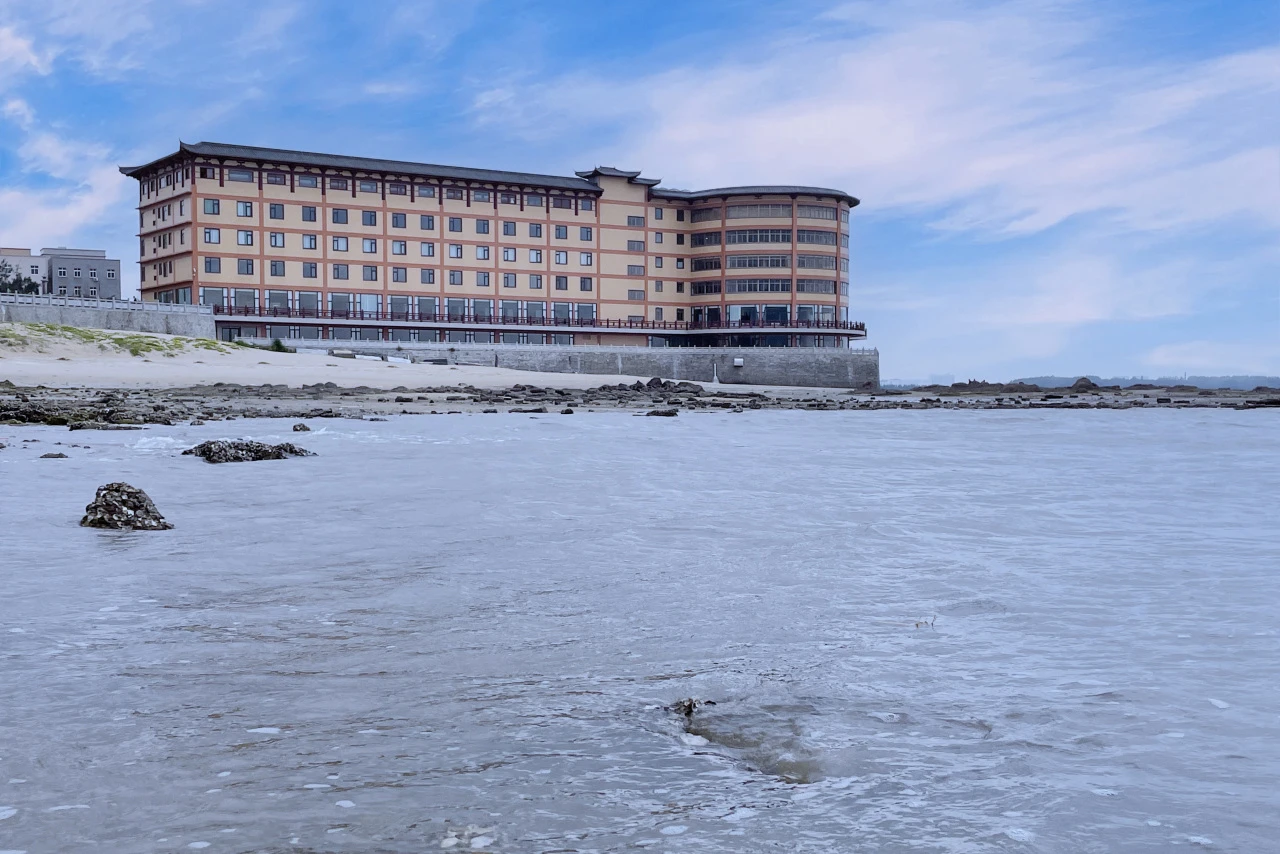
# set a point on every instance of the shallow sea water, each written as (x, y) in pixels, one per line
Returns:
(923, 631)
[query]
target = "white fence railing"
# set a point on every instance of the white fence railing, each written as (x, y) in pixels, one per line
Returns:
(94, 302)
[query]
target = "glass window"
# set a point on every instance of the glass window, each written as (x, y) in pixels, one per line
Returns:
(427, 277)
(635, 295)
(636, 269)
(657, 262)
(244, 208)
(308, 213)
(398, 189)
(586, 205)
(814, 212)
(368, 186)
(308, 269)
(370, 273)
(535, 281)
(277, 268)
(635, 245)
(482, 253)
(455, 223)
(455, 250)
(369, 244)
(338, 183)
(480, 196)
(535, 256)
(562, 257)
(244, 266)
(244, 238)
(340, 216)
(399, 274)
(482, 226)
(339, 244)
(657, 237)
(276, 238)
(399, 247)
(509, 229)
(534, 201)
(508, 280)
(368, 217)
(212, 206)
(562, 232)
(427, 222)
(482, 279)
(275, 178)
(213, 265)
(561, 202)
(341, 271)
(309, 241)
(213, 235)
(308, 181)
(635, 222)
(657, 213)
(587, 311)
(275, 211)
(508, 199)
(584, 232)
(243, 175)
(398, 220)
(453, 193)
(585, 259)
(508, 253)
(535, 229)
(562, 283)
(455, 277)
(584, 283)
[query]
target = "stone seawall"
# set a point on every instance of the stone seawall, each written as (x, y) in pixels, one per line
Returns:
(123, 316)
(819, 367)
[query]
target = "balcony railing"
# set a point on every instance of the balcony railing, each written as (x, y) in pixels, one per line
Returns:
(302, 314)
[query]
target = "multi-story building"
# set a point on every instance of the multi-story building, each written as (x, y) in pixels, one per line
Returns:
(68, 272)
(291, 244)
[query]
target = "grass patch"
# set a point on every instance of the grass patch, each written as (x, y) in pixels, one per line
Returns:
(134, 343)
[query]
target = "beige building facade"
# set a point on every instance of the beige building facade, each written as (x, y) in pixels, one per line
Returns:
(299, 245)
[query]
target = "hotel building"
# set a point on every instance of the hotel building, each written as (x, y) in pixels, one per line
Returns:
(297, 245)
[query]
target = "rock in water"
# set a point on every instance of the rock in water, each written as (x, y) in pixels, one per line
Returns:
(301, 428)
(123, 507)
(222, 451)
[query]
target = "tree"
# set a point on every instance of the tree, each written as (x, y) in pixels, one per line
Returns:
(13, 282)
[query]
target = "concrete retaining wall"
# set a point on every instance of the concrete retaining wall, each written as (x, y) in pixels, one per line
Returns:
(122, 315)
(827, 367)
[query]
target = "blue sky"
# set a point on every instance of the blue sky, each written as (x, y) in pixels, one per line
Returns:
(1048, 187)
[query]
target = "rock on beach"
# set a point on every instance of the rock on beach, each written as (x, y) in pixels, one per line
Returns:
(125, 508)
(224, 451)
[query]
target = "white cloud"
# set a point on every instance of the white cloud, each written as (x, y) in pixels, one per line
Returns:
(19, 112)
(17, 55)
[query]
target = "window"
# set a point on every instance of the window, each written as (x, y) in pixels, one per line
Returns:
(452, 193)
(635, 245)
(759, 235)
(508, 199)
(308, 241)
(657, 237)
(679, 263)
(340, 216)
(815, 286)
(482, 279)
(586, 311)
(275, 178)
(455, 223)
(339, 244)
(212, 206)
(635, 222)
(368, 186)
(657, 287)
(816, 262)
(211, 265)
(586, 205)
(561, 202)
(398, 189)
(276, 239)
(657, 213)
(244, 238)
(844, 240)
(584, 232)
(369, 245)
(679, 287)
(657, 313)
(535, 256)
(751, 286)
(757, 211)
(341, 271)
(562, 283)
(562, 232)
(427, 277)
(455, 250)
(244, 208)
(308, 269)
(208, 172)
(584, 259)
(93, 290)
(399, 247)
(584, 283)
(338, 183)
(535, 229)
(657, 262)
(277, 268)
(308, 181)
(308, 213)
(679, 240)
(815, 212)
(534, 202)
(635, 269)
(535, 281)
(820, 238)
(399, 220)
(399, 274)
(243, 175)
(244, 266)
(482, 253)
(482, 226)
(509, 229)
(455, 277)
(213, 235)
(704, 288)
(508, 253)
(705, 238)
(562, 257)
(739, 262)
(275, 211)
(427, 222)
(844, 287)
(706, 264)
(370, 273)
(508, 280)
(368, 217)
(635, 295)
(704, 214)
(426, 192)
(481, 196)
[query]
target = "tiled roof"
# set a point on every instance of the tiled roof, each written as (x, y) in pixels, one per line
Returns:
(761, 190)
(368, 164)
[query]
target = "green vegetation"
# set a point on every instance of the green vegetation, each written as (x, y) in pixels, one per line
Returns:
(14, 282)
(134, 343)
